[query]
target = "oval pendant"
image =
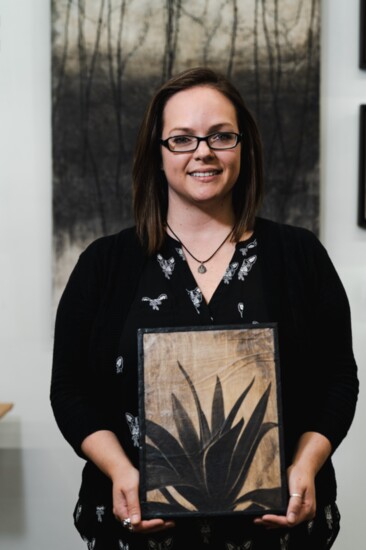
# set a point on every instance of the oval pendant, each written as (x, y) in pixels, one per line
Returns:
(201, 269)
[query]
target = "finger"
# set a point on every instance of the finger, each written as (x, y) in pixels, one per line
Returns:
(155, 525)
(271, 521)
(120, 509)
(133, 506)
(295, 507)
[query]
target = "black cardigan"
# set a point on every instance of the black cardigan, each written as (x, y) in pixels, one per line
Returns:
(304, 295)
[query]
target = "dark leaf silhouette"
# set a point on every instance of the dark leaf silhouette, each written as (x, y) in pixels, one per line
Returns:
(216, 475)
(217, 414)
(186, 431)
(209, 470)
(247, 445)
(205, 434)
(234, 411)
(172, 451)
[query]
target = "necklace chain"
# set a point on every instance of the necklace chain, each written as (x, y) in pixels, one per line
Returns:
(201, 268)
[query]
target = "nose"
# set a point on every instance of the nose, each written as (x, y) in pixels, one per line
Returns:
(203, 150)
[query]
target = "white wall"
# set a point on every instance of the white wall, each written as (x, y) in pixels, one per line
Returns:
(39, 474)
(343, 90)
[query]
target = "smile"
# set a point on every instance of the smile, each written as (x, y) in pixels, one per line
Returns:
(205, 174)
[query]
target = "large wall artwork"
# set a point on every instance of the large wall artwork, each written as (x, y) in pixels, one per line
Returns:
(109, 56)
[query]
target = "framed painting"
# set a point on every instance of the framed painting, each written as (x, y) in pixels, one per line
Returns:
(109, 58)
(362, 34)
(211, 428)
(362, 170)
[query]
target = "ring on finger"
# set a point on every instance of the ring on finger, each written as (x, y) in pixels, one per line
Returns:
(127, 524)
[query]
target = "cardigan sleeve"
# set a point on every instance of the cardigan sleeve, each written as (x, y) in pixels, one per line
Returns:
(333, 368)
(75, 404)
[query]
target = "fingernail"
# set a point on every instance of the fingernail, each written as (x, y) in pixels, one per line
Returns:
(291, 517)
(134, 519)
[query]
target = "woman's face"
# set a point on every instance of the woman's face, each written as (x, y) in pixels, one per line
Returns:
(205, 175)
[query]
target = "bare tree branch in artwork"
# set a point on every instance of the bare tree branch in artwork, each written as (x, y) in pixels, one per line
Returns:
(116, 79)
(274, 60)
(173, 9)
(256, 61)
(58, 89)
(234, 31)
(117, 63)
(284, 147)
(304, 110)
(86, 81)
(210, 24)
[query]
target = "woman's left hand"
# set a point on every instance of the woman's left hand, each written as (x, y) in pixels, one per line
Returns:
(302, 500)
(312, 451)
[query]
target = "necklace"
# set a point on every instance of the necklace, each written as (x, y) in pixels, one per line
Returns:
(201, 268)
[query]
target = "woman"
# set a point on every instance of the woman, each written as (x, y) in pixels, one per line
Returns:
(197, 187)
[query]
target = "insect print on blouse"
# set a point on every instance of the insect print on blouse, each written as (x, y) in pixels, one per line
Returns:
(123, 546)
(133, 424)
(167, 266)
(241, 309)
(90, 544)
(246, 266)
(205, 530)
(329, 516)
(155, 302)
(78, 512)
(249, 246)
(310, 526)
(196, 298)
(284, 541)
(247, 545)
(119, 364)
(180, 253)
(100, 511)
(166, 544)
(230, 272)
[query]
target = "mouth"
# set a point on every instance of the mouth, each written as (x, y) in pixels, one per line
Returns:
(204, 174)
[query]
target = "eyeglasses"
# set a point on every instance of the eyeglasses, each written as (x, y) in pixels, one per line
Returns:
(187, 144)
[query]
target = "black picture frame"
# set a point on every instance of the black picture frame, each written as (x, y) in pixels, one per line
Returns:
(362, 170)
(362, 60)
(211, 435)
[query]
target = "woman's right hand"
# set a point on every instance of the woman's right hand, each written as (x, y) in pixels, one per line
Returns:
(104, 449)
(126, 503)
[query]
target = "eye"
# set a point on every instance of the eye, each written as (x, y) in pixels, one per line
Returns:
(181, 140)
(222, 137)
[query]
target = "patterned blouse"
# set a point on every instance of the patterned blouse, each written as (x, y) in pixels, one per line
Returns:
(168, 296)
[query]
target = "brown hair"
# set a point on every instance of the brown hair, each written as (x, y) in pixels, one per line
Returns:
(150, 189)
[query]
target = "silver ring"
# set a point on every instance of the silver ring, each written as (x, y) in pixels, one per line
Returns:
(298, 495)
(127, 524)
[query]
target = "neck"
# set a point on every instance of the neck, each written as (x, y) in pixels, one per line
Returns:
(197, 220)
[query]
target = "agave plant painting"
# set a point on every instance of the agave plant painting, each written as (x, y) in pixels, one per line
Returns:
(210, 421)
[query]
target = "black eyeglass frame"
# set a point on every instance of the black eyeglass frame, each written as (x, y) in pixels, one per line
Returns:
(165, 142)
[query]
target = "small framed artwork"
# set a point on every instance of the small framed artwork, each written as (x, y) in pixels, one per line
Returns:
(362, 170)
(362, 34)
(211, 421)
